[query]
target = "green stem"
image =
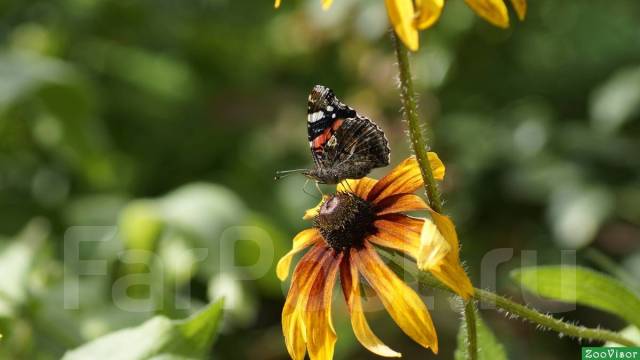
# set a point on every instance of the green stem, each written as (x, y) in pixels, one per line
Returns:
(550, 322)
(410, 110)
(427, 280)
(472, 341)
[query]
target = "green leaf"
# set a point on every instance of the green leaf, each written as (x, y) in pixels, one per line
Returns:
(488, 346)
(582, 286)
(157, 338)
(630, 332)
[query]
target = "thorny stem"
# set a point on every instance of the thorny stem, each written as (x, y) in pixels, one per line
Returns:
(421, 148)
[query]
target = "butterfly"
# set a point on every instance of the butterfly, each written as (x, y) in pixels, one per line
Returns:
(344, 144)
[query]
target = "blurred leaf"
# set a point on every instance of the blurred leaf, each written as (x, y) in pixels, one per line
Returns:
(157, 338)
(630, 332)
(16, 262)
(240, 305)
(140, 225)
(582, 286)
(617, 101)
(489, 348)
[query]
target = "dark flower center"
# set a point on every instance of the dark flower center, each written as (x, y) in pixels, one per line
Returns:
(344, 220)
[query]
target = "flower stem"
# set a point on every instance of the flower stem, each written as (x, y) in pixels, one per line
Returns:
(410, 110)
(472, 341)
(511, 307)
(550, 322)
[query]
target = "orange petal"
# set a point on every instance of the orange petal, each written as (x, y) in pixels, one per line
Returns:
(494, 11)
(360, 187)
(350, 281)
(398, 232)
(400, 203)
(300, 242)
(405, 178)
(401, 17)
(293, 311)
(428, 12)
(521, 8)
(277, 4)
(403, 304)
(320, 334)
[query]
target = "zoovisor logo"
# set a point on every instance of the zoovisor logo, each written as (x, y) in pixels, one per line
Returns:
(610, 353)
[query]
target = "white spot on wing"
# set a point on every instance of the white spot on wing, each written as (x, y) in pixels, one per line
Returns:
(329, 108)
(316, 116)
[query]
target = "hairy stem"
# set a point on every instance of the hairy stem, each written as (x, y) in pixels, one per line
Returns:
(410, 111)
(472, 340)
(550, 322)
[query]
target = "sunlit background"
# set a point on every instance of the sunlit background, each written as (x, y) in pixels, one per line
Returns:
(158, 125)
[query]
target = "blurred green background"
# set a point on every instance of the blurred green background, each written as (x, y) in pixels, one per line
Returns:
(158, 125)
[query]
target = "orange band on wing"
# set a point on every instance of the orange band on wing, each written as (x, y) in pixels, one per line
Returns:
(319, 141)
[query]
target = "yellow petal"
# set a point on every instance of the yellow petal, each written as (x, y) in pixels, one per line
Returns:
(405, 178)
(437, 167)
(320, 334)
(403, 304)
(300, 242)
(326, 4)
(521, 8)
(350, 280)
(400, 203)
(399, 232)
(428, 12)
(494, 11)
(401, 17)
(444, 266)
(277, 4)
(293, 326)
(433, 247)
(360, 187)
(313, 212)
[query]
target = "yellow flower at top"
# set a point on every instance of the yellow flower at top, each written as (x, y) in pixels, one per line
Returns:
(348, 229)
(410, 16)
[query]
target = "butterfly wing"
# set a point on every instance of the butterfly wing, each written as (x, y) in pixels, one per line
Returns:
(344, 144)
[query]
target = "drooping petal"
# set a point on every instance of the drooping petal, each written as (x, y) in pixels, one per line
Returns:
(300, 242)
(313, 212)
(403, 304)
(440, 254)
(293, 326)
(326, 4)
(400, 203)
(494, 11)
(433, 247)
(428, 12)
(320, 334)
(437, 167)
(350, 281)
(360, 187)
(521, 8)
(401, 15)
(405, 178)
(399, 232)
(277, 4)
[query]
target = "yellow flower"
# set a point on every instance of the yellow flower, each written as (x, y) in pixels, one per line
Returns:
(409, 16)
(348, 225)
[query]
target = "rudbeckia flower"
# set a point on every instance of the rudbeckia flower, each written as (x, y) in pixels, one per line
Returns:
(409, 16)
(348, 227)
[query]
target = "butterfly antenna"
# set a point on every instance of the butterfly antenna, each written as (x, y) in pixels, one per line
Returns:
(284, 173)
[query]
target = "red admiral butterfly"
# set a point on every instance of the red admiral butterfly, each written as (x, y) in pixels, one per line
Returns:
(344, 144)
